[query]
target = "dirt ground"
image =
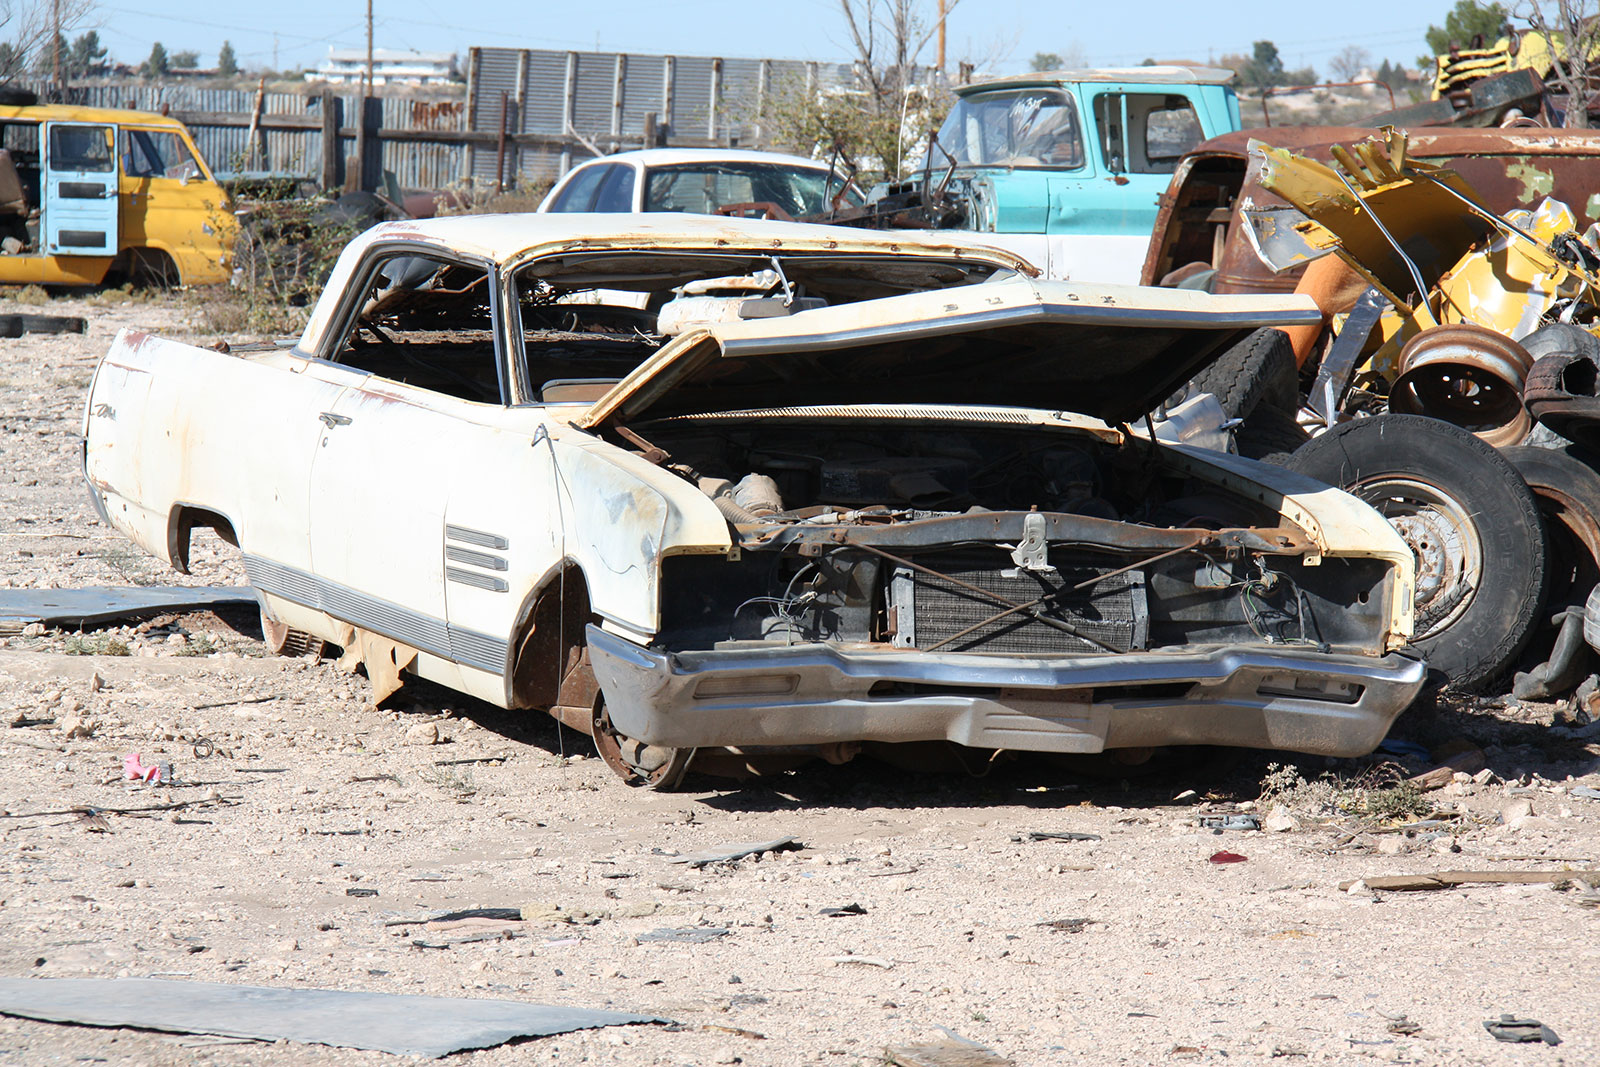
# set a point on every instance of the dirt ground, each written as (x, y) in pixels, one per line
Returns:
(298, 791)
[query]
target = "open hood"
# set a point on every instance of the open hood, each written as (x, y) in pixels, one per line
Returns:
(1108, 351)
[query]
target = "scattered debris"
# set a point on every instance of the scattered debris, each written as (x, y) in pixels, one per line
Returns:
(1510, 1029)
(691, 935)
(1446, 879)
(736, 851)
(1060, 835)
(1585, 792)
(848, 909)
(134, 769)
(867, 961)
(97, 604)
(1470, 761)
(1071, 926)
(400, 1024)
(1219, 823)
(1404, 1027)
(1228, 857)
(360, 891)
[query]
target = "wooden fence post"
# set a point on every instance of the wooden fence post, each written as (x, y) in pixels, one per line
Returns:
(332, 152)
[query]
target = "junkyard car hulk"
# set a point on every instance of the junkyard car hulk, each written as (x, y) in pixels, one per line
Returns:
(824, 520)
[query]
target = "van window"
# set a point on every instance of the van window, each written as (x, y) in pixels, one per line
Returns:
(157, 154)
(80, 149)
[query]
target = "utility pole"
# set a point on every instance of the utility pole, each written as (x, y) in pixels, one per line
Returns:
(369, 49)
(55, 52)
(941, 36)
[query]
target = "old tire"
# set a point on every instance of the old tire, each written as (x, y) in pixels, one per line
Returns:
(1269, 434)
(1567, 487)
(1471, 522)
(1257, 372)
(284, 640)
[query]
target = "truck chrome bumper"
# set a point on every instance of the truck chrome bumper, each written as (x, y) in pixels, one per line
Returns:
(1297, 700)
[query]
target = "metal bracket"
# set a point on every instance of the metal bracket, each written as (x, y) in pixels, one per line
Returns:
(1033, 552)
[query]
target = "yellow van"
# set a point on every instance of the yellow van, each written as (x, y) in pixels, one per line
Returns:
(92, 195)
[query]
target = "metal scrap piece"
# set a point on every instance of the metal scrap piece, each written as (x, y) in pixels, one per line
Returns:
(690, 935)
(106, 603)
(1516, 1031)
(401, 1024)
(736, 851)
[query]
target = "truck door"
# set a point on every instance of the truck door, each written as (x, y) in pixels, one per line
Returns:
(1138, 136)
(80, 189)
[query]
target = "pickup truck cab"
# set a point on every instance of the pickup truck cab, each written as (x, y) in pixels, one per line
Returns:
(89, 195)
(1065, 168)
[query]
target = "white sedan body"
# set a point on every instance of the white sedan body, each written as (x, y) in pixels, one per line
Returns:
(462, 498)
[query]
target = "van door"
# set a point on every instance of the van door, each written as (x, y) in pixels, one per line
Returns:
(80, 189)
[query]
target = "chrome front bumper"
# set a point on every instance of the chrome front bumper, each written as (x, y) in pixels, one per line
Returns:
(1277, 698)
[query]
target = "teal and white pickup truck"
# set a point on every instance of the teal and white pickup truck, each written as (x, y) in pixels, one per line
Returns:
(1064, 168)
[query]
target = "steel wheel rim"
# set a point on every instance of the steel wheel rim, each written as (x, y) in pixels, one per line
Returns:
(1444, 544)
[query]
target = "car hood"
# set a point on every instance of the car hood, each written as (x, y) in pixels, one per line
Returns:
(1108, 351)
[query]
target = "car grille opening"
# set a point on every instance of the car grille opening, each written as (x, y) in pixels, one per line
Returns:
(954, 614)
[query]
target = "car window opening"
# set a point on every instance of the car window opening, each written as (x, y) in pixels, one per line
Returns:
(427, 322)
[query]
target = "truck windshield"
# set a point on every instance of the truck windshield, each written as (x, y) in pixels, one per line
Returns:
(1014, 128)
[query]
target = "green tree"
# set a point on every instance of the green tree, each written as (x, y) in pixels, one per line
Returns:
(185, 60)
(1264, 68)
(227, 62)
(88, 55)
(1045, 61)
(1468, 19)
(157, 64)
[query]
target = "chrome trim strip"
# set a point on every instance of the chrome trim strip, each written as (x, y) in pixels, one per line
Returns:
(422, 632)
(1042, 313)
(468, 536)
(476, 580)
(474, 559)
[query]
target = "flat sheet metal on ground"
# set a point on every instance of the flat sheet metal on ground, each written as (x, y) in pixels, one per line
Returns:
(104, 603)
(404, 1025)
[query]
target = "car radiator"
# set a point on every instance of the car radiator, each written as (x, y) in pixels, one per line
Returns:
(949, 614)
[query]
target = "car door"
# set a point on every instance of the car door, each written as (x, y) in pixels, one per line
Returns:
(80, 189)
(419, 367)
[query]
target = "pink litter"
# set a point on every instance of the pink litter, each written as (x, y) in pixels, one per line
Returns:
(155, 773)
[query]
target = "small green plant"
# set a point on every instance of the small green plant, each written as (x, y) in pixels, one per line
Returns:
(1381, 792)
(95, 645)
(198, 645)
(456, 781)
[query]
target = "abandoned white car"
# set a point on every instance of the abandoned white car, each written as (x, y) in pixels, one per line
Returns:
(887, 490)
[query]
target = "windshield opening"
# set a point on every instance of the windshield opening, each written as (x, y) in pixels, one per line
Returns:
(701, 188)
(1016, 128)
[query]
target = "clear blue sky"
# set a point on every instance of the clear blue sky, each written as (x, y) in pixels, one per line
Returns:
(1005, 33)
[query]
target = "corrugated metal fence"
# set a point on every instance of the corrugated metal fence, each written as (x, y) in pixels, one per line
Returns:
(556, 108)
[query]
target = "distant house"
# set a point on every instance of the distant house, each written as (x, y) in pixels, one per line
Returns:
(389, 67)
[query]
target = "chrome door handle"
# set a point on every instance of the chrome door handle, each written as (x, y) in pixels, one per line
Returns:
(330, 420)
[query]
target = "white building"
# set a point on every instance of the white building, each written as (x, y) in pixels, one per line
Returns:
(390, 66)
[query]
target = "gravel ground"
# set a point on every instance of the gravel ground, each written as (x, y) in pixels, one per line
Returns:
(301, 792)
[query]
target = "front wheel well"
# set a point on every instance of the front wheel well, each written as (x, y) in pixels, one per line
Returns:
(185, 520)
(551, 666)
